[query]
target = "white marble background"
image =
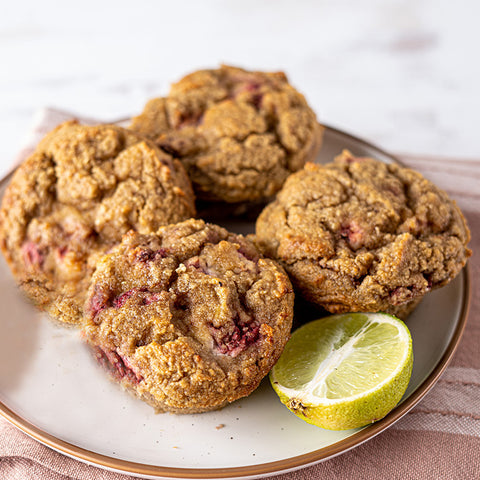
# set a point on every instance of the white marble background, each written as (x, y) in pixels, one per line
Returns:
(402, 74)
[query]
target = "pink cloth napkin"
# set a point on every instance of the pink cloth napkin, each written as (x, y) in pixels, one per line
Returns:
(438, 439)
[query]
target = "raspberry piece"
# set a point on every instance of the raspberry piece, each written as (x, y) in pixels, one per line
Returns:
(154, 297)
(32, 254)
(117, 365)
(120, 301)
(151, 255)
(239, 340)
(354, 233)
(98, 302)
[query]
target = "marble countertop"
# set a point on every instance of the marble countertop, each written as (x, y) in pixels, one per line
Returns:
(402, 74)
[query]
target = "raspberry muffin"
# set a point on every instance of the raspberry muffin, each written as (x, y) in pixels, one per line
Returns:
(361, 235)
(74, 198)
(238, 133)
(189, 319)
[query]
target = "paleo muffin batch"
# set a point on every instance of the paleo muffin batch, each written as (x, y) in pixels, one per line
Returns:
(74, 198)
(193, 316)
(97, 227)
(365, 236)
(239, 134)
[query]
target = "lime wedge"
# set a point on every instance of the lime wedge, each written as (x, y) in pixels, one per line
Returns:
(345, 371)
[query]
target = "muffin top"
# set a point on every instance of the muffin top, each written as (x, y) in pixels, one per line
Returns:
(191, 318)
(74, 197)
(238, 133)
(361, 235)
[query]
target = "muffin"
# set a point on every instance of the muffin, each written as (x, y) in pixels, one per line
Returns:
(190, 319)
(74, 197)
(238, 133)
(359, 235)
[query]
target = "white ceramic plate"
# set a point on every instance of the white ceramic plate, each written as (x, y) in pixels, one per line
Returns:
(52, 389)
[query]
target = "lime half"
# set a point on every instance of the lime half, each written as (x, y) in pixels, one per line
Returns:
(345, 371)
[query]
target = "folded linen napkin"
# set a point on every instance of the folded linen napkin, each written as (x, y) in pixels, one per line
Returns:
(438, 439)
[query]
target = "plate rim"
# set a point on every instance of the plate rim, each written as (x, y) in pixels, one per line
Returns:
(261, 469)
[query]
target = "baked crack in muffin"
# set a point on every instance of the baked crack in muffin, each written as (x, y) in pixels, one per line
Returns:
(238, 133)
(74, 197)
(361, 235)
(189, 319)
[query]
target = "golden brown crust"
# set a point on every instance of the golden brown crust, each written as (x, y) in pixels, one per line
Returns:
(74, 197)
(190, 319)
(239, 133)
(362, 235)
